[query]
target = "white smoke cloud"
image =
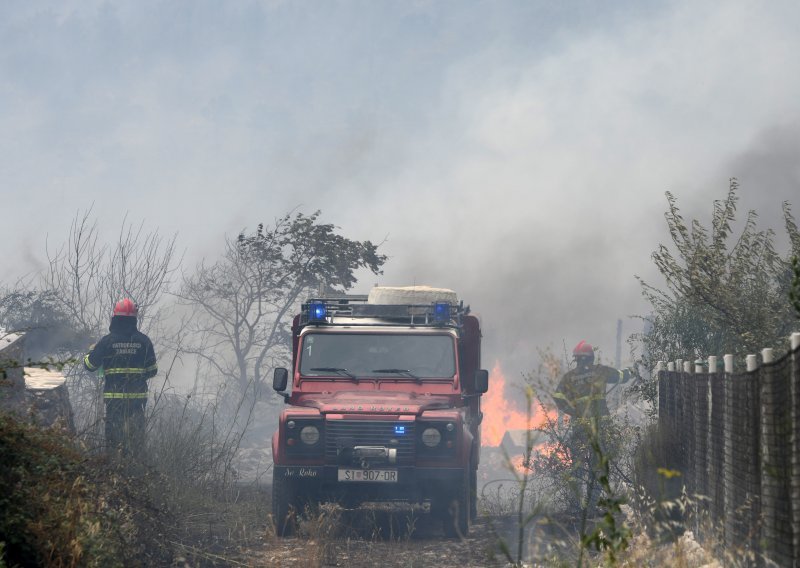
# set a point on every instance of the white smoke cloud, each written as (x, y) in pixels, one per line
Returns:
(517, 152)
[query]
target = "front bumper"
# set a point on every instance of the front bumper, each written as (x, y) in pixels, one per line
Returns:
(413, 483)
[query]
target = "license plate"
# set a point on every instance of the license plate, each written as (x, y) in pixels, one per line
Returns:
(373, 475)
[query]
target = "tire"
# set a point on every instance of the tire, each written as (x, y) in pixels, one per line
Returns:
(284, 505)
(456, 515)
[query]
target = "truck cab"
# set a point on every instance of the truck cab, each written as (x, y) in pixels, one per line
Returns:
(384, 406)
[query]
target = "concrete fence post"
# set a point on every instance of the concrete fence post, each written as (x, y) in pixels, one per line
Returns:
(702, 434)
(716, 445)
(686, 425)
(729, 479)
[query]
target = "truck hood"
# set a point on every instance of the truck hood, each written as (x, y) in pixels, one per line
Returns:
(372, 402)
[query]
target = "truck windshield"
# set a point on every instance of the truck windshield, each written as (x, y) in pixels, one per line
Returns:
(378, 355)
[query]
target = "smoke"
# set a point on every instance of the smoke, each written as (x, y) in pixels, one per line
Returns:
(769, 174)
(517, 153)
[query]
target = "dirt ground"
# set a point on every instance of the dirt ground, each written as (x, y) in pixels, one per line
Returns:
(380, 539)
(384, 536)
(388, 536)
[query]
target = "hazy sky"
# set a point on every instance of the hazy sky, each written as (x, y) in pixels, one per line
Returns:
(517, 152)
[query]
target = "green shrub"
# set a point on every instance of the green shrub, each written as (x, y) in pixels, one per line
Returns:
(61, 508)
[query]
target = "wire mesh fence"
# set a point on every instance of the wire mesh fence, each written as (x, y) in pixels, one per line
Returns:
(735, 437)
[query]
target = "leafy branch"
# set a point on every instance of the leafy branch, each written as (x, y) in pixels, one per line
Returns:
(726, 286)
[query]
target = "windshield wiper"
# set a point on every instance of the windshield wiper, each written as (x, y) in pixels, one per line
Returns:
(339, 370)
(404, 372)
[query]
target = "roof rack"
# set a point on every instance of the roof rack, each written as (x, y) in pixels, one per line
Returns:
(326, 311)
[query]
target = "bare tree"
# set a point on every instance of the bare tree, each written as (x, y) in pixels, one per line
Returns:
(89, 275)
(244, 300)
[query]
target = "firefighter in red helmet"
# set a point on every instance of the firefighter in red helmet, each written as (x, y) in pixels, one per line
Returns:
(126, 359)
(581, 393)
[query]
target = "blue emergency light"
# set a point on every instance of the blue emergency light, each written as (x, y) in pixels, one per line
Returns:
(317, 311)
(399, 430)
(441, 312)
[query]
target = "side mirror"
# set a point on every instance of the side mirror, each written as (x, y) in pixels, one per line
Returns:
(481, 381)
(280, 378)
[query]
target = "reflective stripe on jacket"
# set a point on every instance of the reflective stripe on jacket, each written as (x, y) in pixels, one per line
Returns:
(126, 358)
(124, 395)
(88, 364)
(133, 371)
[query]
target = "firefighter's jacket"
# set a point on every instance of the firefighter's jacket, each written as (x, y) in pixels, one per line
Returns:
(581, 393)
(126, 358)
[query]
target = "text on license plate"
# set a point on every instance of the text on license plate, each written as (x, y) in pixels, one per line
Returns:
(379, 475)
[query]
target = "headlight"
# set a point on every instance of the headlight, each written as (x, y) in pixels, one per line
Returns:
(431, 437)
(309, 435)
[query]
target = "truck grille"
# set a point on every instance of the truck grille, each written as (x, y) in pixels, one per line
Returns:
(370, 433)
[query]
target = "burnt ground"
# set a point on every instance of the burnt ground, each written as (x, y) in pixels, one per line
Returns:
(383, 539)
(371, 546)
(394, 536)
(377, 535)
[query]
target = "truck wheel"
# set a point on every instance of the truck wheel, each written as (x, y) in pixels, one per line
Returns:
(456, 516)
(284, 505)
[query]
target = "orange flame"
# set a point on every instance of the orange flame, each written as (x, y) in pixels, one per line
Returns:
(518, 463)
(499, 415)
(545, 449)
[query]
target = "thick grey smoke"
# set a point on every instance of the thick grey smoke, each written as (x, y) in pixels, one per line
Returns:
(769, 174)
(518, 152)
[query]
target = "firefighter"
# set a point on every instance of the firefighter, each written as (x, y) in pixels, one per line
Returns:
(126, 359)
(581, 393)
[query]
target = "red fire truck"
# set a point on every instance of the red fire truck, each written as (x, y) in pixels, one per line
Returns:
(384, 406)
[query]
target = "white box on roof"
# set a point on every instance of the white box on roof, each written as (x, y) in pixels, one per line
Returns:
(393, 295)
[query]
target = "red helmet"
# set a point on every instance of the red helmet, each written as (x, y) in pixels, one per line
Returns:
(126, 307)
(583, 349)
